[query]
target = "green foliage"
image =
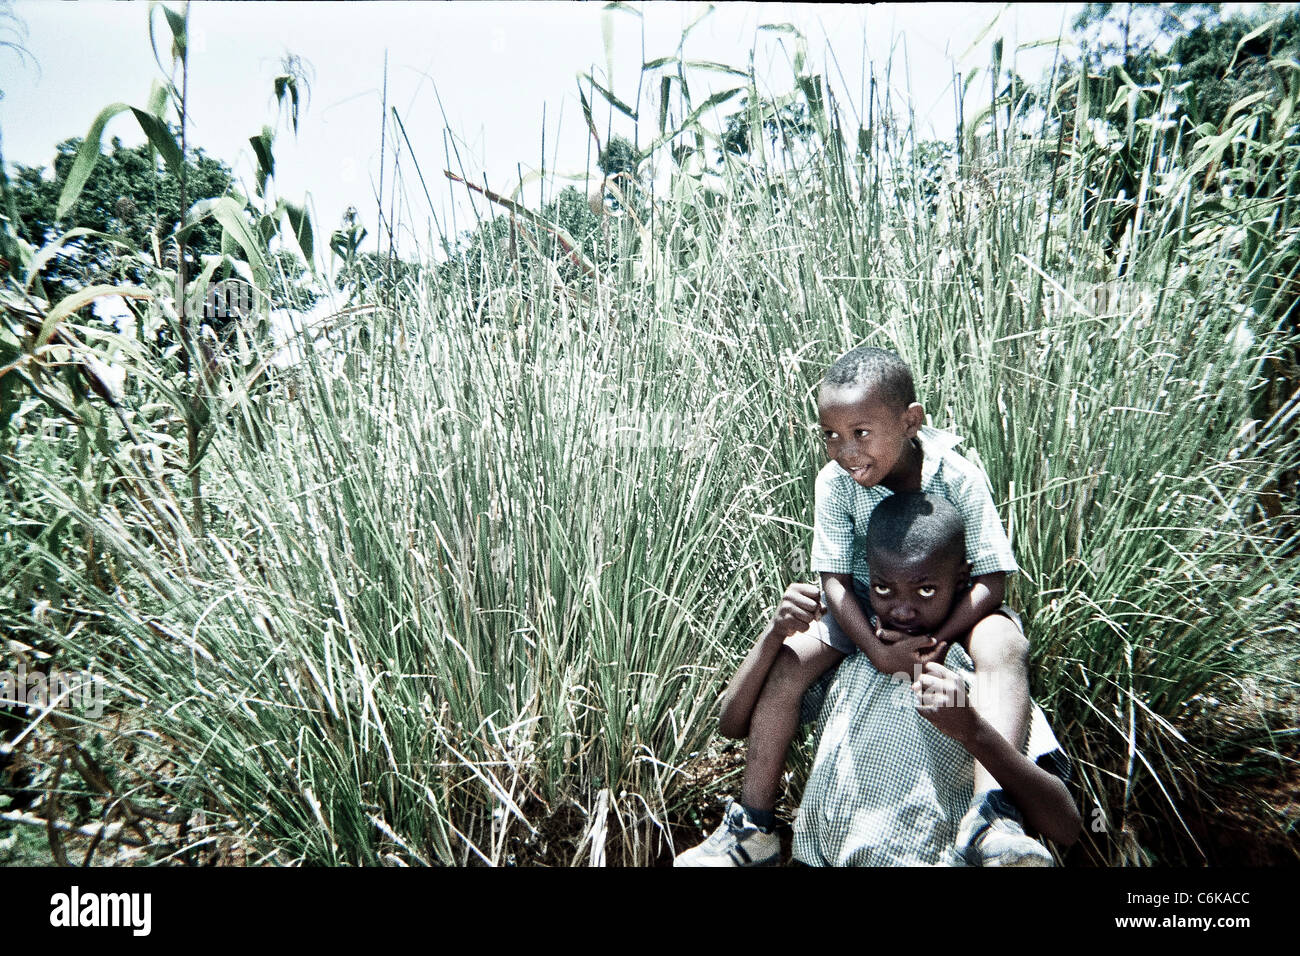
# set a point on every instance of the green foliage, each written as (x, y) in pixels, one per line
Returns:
(128, 195)
(488, 550)
(619, 156)
(292, 285)
(372, 276)
(131, 198)
(1126, 33)
(525, 255)
(23, 846)
(783, 121)
(1219, 61)
(1229, 61)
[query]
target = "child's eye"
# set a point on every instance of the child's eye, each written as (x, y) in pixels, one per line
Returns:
(863, 432)
(927, 591)
(880, 589)
(828, 435)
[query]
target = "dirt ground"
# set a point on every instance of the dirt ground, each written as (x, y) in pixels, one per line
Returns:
(1253, 820)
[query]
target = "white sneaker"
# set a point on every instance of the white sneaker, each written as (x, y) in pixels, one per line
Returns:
(736, 842)
(991, 834)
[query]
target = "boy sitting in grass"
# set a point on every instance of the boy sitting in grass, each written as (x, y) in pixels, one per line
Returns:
(894, 771)
(878, 446)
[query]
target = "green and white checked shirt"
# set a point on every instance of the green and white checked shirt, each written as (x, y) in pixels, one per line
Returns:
(886, 787)
(843, 508)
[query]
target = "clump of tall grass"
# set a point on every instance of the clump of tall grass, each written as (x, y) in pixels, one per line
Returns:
(482, 564)
(467, 568)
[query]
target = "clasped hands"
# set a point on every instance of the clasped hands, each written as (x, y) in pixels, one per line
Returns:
(940, 693)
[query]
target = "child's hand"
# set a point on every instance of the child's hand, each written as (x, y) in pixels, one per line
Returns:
(941, 699)
(799, 607)
(906, 653)
(890, 636)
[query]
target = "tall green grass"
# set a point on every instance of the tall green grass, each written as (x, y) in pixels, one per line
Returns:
(486, 563)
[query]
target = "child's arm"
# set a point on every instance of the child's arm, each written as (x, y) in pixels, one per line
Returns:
(800, 606)
(984, 598)
(1042, 797)
(888, 657)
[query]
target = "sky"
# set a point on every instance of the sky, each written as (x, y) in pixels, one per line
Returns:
(497, 79)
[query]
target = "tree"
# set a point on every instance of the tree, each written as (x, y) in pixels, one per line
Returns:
(785, 120)
(1224, 64)
(1185, 62)
(1127, 34)
(619, 156)
(129, 196)
(619, 162)
(507, 251)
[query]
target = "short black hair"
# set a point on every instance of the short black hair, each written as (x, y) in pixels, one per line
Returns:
(916, 524)
(874, 368)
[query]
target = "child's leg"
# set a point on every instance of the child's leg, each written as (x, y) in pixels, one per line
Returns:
(992, 832)
(803, 658)
(745, 836)
(1000, 653)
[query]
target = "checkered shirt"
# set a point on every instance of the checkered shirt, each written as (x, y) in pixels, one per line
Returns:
(886, 787)
(843, 508)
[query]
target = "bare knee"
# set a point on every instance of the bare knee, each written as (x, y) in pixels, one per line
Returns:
(997, 644)
(797, 668)
(788, 679)
(781, 692)
(799, 662)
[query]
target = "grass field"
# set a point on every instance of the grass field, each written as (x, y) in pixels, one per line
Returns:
(472, 573)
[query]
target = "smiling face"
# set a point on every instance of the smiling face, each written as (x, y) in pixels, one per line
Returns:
(871, 438)
(915, 594)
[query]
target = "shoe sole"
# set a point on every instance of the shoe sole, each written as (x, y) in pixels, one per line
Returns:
(772, 861)
(1009, 861)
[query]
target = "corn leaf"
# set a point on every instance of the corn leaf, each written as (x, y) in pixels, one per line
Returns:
(613, 100)
(87, 155)
(79, 300)
(300, 224)
(230, 214)
(160, 138)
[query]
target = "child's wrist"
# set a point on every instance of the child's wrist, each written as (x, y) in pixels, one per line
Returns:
(775, 634)
(874, 648)
(946, 635)
(982, 735)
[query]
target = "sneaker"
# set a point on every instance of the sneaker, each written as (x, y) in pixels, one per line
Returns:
(736, 842)
(992, 834)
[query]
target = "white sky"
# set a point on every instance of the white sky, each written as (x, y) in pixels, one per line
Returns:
(495, 66)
